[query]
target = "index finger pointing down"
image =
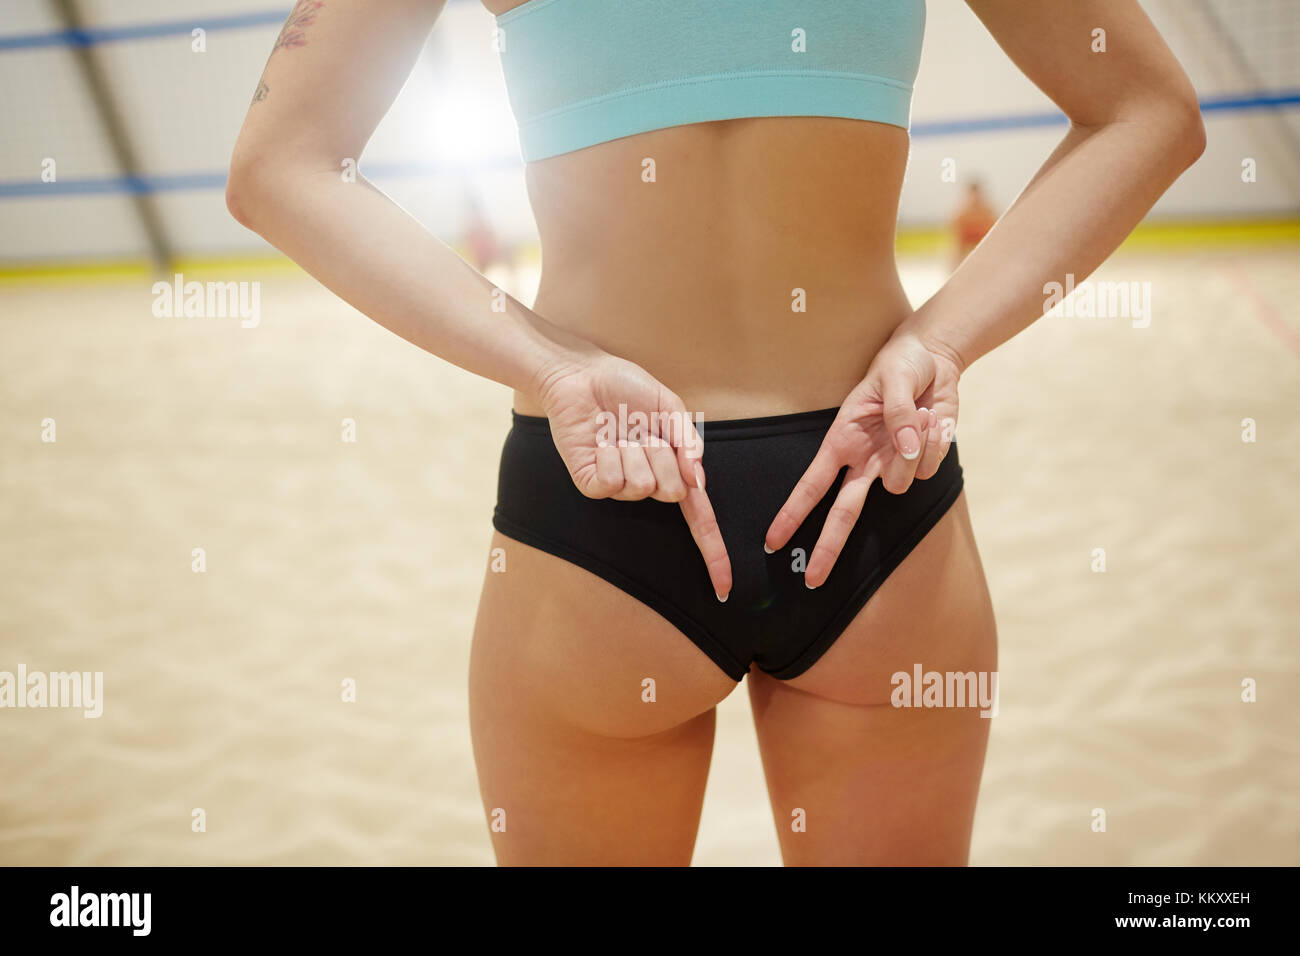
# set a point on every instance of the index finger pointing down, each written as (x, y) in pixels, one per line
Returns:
(708, 538)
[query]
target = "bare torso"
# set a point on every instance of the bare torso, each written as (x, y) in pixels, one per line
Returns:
(693, 275)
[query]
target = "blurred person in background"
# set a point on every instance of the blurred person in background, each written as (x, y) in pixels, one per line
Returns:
(482, 245)
(971, 223)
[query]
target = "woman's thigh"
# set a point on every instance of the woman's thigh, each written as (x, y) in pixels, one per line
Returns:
(854, 779)
(592, 718)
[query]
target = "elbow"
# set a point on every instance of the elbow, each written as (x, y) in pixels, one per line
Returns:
(237, 201)
(264, 187)
(246, 190)
(241, 193)
(1179, 112)
(1189, 140)
(1172, 126)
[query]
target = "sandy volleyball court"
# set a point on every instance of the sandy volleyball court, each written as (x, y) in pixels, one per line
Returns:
(330, 561)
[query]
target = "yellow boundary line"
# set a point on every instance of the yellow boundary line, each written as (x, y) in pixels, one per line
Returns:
(1147, 236)
(1157, 235)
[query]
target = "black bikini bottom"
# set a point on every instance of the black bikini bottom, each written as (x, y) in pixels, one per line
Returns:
(645, 548)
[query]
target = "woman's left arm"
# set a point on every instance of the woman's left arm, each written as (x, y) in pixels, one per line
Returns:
(1135, 126)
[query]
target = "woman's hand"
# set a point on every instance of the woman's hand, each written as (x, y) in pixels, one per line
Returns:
(657, 455)
(896, 424)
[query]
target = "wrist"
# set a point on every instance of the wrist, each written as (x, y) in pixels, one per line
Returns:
(557, 361)
(933, 338)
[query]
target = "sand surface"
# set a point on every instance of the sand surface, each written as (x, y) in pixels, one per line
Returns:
(329, 561)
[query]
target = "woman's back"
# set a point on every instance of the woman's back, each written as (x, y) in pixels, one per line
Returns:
(716, 185)
(747, 263)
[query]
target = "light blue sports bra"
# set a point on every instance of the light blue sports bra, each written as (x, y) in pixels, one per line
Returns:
(582, 72)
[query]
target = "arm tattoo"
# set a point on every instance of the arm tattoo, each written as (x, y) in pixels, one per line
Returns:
(294, 31)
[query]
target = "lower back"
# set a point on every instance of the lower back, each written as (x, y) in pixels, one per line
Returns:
(747, 264)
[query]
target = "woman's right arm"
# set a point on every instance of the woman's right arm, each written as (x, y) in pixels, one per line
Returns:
(334, 72)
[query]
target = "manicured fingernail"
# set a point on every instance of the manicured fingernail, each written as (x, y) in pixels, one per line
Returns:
(699, 476)
(810, 587)
(767, 549)
(909, 442)
(722, 597)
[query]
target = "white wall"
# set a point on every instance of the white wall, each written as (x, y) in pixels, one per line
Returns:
(183, 110)
(964, 75)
